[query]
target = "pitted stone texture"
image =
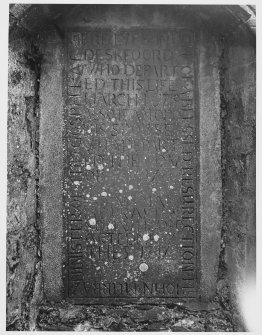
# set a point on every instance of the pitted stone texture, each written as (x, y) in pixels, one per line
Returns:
(131, 161)
(243, 14)
(239, 171)
(210, 164)
(51, 162)
(23, 267)
(238, 125)
(133, 318)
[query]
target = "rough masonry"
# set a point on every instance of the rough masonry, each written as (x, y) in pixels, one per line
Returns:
(106, 111)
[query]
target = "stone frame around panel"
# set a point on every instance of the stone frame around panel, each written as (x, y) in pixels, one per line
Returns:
(51, 156)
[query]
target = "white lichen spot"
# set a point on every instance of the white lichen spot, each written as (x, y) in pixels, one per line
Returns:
(145, 237)
(110, 226)
(113, 119)
(131, 257)
(143, 267)
(163, 150)
(88, 167)
(129, 146)
(94, 198)
(104, 194)
(89, 131)
(153, 190)
(130, 187)
(118, 254)
(76, 182)
(120, 191)
(98, 268)
(92, 222)
(88, 195)
(100, 167)
(107, 169)
(129, 197)
(156, 237)
(171, 187)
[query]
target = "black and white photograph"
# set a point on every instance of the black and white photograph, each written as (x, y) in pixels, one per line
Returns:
(131, 167)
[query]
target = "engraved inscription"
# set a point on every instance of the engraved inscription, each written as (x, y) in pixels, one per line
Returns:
(130, 164)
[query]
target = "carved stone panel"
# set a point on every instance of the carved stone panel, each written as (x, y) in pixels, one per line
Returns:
(130, 165)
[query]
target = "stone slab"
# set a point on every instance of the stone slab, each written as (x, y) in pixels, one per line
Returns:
(210, 163)
(51, 162)
(130, 165)
(206, 140)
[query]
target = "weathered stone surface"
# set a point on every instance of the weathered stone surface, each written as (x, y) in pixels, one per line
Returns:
(236, 47)
(130, 164)
(128, 318)
(210, 164)
(23, 240)
(209, 172)
(51, 160)
(238, 131)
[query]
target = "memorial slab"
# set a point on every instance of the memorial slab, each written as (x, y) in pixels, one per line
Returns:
(130, 165)
(130, 105)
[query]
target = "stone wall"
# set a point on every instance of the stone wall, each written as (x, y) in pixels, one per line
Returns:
(26, 307)
(238, 108)
(23, 231)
